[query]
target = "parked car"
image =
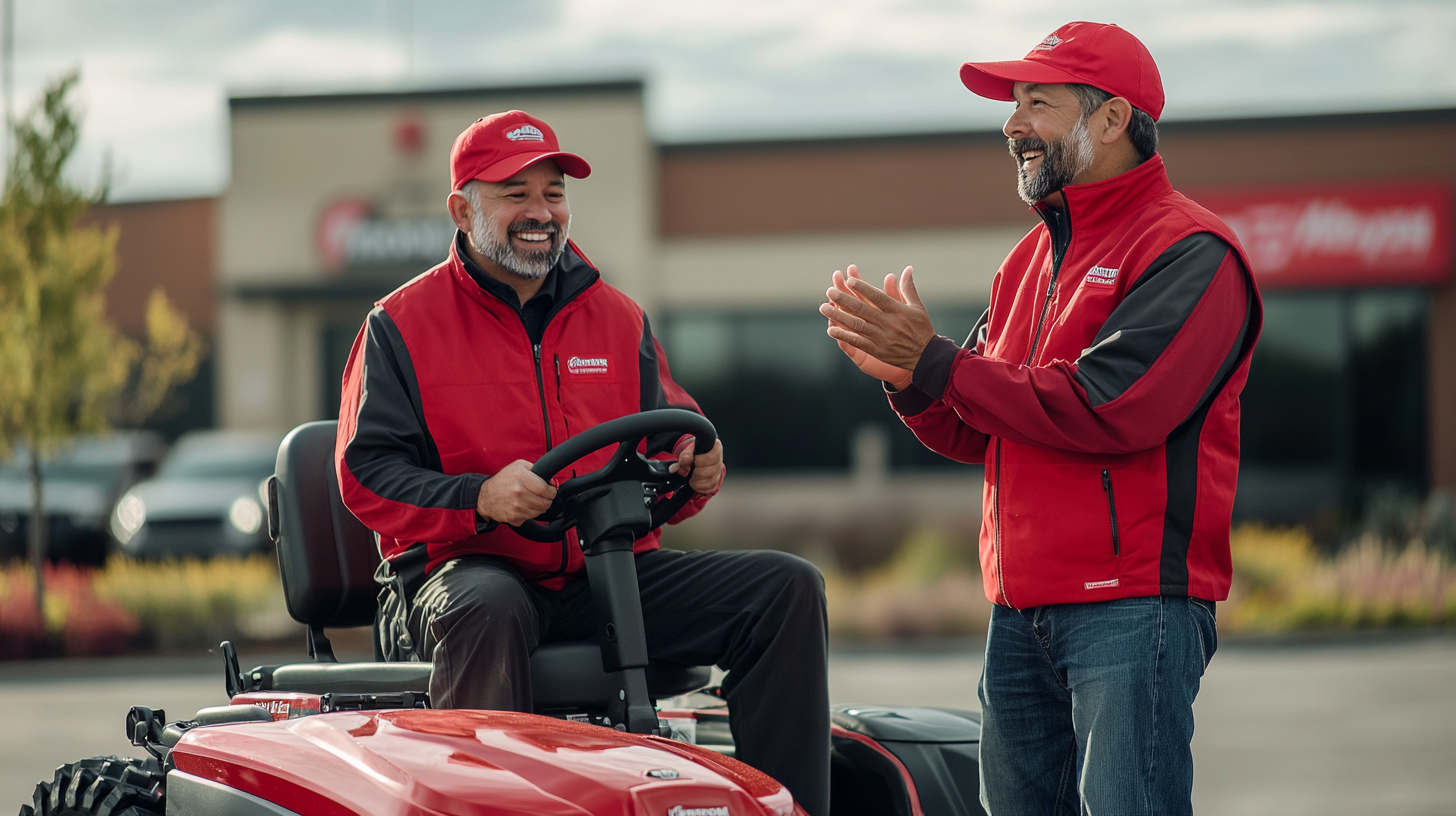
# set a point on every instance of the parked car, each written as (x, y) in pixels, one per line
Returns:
(207, 499)
(80, 484)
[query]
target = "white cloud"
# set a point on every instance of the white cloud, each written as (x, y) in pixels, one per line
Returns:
(163, 138)
(299, 57)
(156, 73)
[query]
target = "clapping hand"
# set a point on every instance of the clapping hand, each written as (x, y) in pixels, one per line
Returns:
(883, 332)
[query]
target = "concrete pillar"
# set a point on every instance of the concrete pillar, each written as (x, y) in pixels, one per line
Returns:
(1441, 385)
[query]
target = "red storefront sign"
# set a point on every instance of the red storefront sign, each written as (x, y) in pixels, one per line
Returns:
(1393, 234)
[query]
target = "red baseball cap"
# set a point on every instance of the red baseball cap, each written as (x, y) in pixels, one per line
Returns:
(1098, 54)
(503, 144)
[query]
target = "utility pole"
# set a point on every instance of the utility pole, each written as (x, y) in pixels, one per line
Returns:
(404, 22)
(7, 78)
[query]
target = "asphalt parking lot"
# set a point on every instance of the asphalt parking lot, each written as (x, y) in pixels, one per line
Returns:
(1351, 726)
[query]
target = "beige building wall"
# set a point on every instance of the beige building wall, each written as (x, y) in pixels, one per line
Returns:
(953, 267)
(293, 156)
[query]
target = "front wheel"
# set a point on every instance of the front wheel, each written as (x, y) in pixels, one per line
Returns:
(101, 786)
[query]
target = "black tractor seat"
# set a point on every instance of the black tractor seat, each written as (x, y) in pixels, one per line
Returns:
(327, 559)
(563, 676)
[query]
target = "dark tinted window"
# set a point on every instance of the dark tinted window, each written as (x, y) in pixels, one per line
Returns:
(1293, 404)
(781, 393)
(1338, 388)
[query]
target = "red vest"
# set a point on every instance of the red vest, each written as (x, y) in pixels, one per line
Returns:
(1062, 526)
(489, 398)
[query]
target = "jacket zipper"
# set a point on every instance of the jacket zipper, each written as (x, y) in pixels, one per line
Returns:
(556, 359)
(546, 423)
(1057, 255)
(1112, 511)
(541, 390)
(1045, 310)
(996, 519)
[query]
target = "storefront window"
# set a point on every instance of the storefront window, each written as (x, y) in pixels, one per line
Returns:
(782, 395)
(1335, 406)
(1293, 403)
(336, 340)
(1388, 359)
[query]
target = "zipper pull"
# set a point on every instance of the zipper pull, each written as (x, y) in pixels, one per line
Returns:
(1106, 482)
(536, 349)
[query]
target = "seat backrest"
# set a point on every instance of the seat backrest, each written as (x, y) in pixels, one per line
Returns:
(326, 557)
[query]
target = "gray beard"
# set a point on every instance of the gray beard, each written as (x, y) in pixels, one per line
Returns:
(529, 265)
(1061, 162)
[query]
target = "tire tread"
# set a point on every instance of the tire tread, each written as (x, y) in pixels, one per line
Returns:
(101, 786)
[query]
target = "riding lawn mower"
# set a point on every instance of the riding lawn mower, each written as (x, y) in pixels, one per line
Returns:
(614, 732)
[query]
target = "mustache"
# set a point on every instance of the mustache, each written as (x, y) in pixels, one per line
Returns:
(534, 226)
(1020, 146)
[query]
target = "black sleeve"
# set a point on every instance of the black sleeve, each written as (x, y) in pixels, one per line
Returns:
(651, 373)
(1156, 309)
(392, 454)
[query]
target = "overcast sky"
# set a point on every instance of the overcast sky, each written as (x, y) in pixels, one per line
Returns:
(157, 73)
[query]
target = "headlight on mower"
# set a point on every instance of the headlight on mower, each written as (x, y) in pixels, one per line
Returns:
(130, 515)
(246, 515)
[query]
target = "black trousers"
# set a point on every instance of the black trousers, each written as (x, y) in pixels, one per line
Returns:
(759, 615)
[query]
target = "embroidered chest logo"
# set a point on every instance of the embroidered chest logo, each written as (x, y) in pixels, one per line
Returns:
(588, 365)
(1102, 276)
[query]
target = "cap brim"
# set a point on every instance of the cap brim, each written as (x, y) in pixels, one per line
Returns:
(994, 80)
(568, 163)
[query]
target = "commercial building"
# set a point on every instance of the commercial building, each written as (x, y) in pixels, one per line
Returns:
(335, 200)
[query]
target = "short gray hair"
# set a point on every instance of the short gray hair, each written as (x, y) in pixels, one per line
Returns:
(471, 191)
(1142, 131)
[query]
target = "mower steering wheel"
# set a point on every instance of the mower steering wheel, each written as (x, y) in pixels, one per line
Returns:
(668, 491)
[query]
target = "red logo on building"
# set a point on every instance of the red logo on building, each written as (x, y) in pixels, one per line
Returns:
(1360, 235)
(338, 220)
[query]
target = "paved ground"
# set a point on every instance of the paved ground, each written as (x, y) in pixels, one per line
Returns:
(1336, 728)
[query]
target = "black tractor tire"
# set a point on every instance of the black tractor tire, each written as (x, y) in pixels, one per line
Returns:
(102, 786)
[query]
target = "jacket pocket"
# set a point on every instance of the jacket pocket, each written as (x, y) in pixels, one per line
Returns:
(1112, 512)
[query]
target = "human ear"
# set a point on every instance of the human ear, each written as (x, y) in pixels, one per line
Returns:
(459, 207)
(1116, 113)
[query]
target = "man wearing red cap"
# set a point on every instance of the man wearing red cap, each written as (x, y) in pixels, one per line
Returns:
(1101, 392)
(463, 377)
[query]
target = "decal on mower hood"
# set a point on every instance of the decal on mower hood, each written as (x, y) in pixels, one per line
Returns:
(679, 810)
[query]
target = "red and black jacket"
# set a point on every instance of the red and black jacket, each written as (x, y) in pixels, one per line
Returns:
(445, 386)
(1101, 390)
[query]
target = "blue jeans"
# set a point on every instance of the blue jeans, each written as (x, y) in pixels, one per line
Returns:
(1088, 708)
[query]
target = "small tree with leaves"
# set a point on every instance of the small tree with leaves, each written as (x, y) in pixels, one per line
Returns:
(64, 369)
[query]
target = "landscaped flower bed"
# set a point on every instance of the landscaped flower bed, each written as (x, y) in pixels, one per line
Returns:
(932, 587)
(132, 605)
(1281, 583)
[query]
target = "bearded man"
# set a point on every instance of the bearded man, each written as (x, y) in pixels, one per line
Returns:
(1101, 391)
(463, 377)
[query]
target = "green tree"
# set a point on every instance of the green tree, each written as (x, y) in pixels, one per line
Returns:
(64, 369)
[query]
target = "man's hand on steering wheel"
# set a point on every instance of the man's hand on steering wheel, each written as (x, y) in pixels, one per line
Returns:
(705, 471)
(515, 494)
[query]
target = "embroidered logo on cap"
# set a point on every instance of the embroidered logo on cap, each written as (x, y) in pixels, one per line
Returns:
(526, 133)
(1102, 275)
(1100, 584)
(588, 365)
(1052, 41)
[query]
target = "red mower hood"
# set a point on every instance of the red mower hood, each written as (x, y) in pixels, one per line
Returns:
(473, 763)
